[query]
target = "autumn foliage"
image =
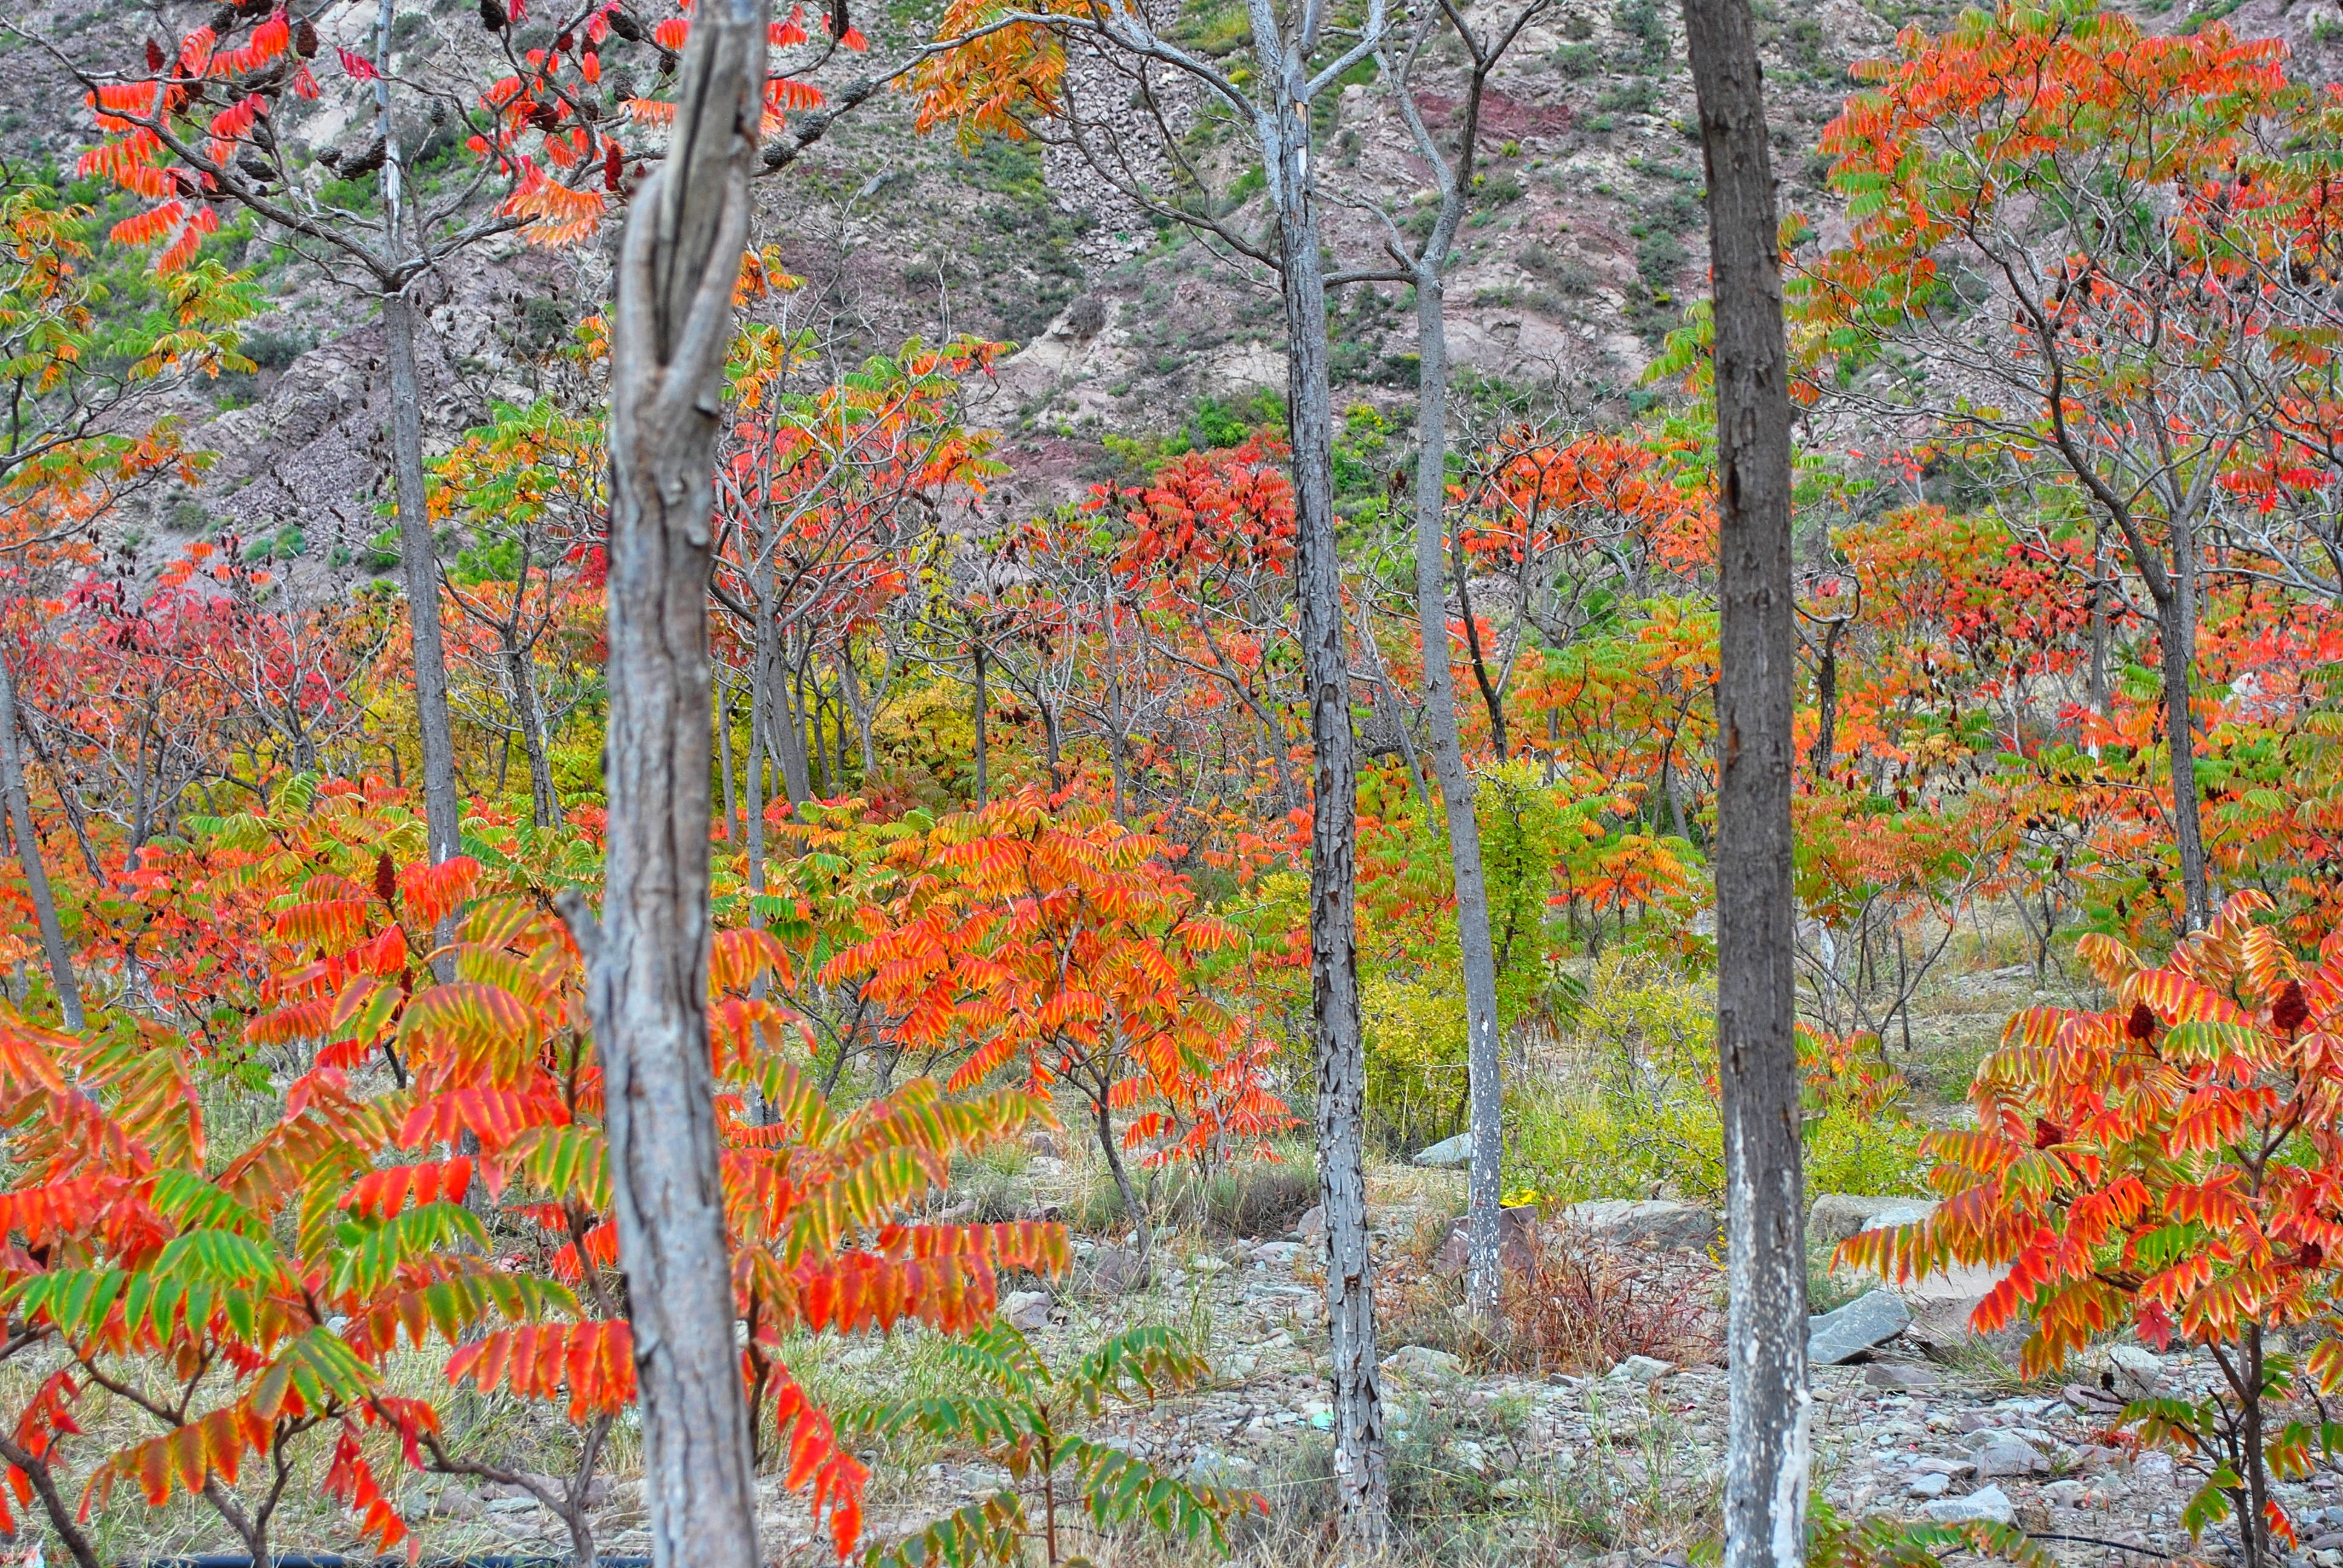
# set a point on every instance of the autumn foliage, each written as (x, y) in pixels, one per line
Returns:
(2172, 1164)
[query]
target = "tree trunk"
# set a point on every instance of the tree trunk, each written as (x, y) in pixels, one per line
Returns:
(1484, 1069)
(724, 763)
(442, 815)
(2177, 616)
(29, 855)
(1490, 699)
(2098, 630)
(1825, 704)
(788, 742)
(2253, 1523)
(1765, 1467)
(1362, 1489)
(857, 707)
(648, 979)
(1143, 1224)
(820, 780)
(544, 805)
(976, 653)
(62, 1514)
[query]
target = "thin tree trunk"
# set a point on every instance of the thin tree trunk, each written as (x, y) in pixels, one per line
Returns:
(820, 780)
(2098, 630)
(1141, 1222)
(1765, 1466)
(2253, 1521)
(1361, 1488)
(1484, 1069)
(788, 742)
(977, 658)
(29, 855)
(545, 804)
(62, 1514)
(2177, 614)
(1825, 704)
(442, 814)
(1490, 699)
(857, 707)
(724, 763)
(648, 979)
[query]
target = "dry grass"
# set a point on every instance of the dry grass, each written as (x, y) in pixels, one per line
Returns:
(1576, 1304)
(1581, 1306)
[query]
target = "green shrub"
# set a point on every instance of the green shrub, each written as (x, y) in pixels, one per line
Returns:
(1647, 23)
(1250, 1197)
(1579, 60)
(1635, 1114)
(1415, 1056)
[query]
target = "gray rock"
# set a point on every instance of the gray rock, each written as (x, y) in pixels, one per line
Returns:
(1210, 1467)
(1448, 1153)
(1647, 1222)
(1516, 1238)
(1312, 1224)
(1643, 1370)
(1835, 1216)
(2009, 1455)
(1115, 1270)
(1870, 1319)
(1900, 1374)
(1929, 1485)
(1027, 1311)
(1988, 1504)
(2139, 1372)
(1422, 1361)
(1277, 1255)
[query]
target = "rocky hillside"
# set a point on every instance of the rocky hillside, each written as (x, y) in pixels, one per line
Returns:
(1587, 245)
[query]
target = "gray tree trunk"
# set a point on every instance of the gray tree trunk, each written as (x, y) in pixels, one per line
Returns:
(443, 816)
(850, 685)
(787, 742)
(979, 718)
(1362, 1490)
(29, 855)
(2175, 614)
(1765, 1467)
(545, 804)
(649, 980)
(2099, 697)
(724, 763)
(1484, 1069)
(1484, 1064)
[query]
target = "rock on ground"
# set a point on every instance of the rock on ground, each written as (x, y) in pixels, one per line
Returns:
(1865, 1324)
(1448, 1153)
(1989, 1504)
(1647, 1222)
(1835, 1217)
(1516, 1234)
